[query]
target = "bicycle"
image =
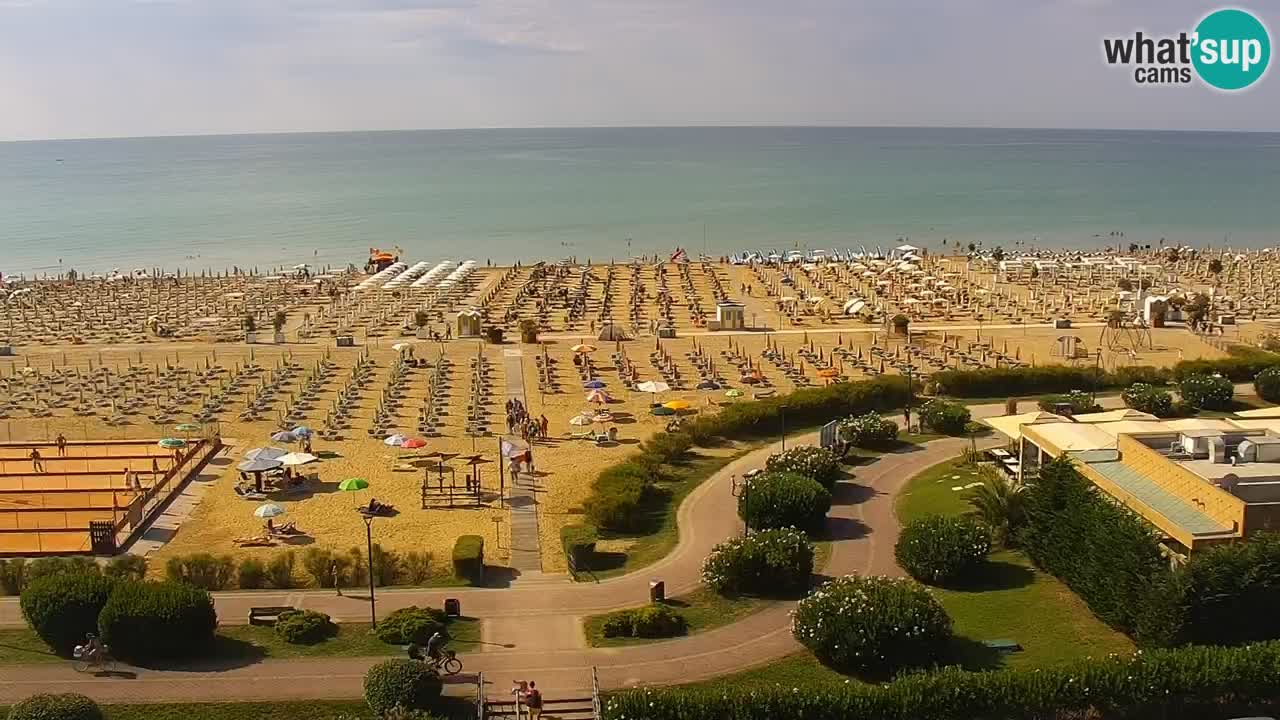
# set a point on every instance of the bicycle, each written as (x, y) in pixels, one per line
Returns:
(448, 663)
(102, 662)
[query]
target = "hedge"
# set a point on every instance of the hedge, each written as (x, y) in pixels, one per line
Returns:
(304, 627)
(811, 461)
(57, 565)
(1104, 552)
(1206, 392)
(942, 550)
(579, 543)
(411, 625)
(785, 500)
(1079, 401)
(768, 563)
(410, 684)
(202, 570)
(145, 621)
(945, 417)
(1267, 384)
(1196, 682)
(1149, 399)
(69, 706)
(64, 607)
(651, 621)
(869, 430)
(468, 558)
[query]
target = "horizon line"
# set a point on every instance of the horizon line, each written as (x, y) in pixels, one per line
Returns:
(711, 126)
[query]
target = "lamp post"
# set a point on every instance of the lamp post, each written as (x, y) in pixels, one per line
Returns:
(742, 489)
(368, 533)
(782, 410)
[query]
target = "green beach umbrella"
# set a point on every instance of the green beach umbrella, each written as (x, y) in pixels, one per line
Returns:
(662, 410)
(733, 393)
(187, 427)
(353, 484)
(173, 443)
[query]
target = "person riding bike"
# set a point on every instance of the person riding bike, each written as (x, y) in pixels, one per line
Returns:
(435, 647)
(93, 649)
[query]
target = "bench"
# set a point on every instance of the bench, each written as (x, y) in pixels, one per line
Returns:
(268, 615)
(1003, 646)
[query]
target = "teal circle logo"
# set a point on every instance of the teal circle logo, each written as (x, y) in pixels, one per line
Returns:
(1231, 49)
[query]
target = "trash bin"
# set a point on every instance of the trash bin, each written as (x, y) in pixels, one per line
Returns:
(657, 591)
(452, 607)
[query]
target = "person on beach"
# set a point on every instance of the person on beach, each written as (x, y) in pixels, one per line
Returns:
(37, 464)
(62, 445)
(542, 424)
(336, 572)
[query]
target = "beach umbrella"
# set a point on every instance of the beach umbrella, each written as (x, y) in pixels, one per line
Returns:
(266, 453)
(353, 484)
(595, 384)
(581, 420)
(733, 393)
(676, 405)
(298, 458)
(413, 443)
(401, 346)
(172, 443)
(581, 348)
(662, 410)
(598, 396)
(187, 427)
(707, 385)
(284, 436)
(653, 386)
(395, 440)
(257, 465)
(266, 511)
(301, 431)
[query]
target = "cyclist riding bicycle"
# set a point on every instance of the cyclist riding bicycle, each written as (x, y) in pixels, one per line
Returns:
(93, 649)
(435, 647)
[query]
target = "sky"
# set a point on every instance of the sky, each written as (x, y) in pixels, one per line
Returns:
(109, 68)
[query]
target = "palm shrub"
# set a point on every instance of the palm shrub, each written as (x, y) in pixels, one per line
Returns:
(785, 500)
(868, 431)
(999, 504)
(944, 417)
(144, 621)
(769, 562)
(304, 627)
(68, 706)
(407, 684)
(411, 625)
(1267, 384)
(872, 624)
(62, 608)
(1206, 392)
(811, 461)
(1149, 399)
(942, 550)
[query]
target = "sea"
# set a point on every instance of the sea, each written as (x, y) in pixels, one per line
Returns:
(213, 203)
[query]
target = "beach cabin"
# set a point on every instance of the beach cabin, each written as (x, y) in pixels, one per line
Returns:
(731, 316)
(469, 323)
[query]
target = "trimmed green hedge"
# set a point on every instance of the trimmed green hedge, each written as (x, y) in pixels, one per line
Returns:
(63, 607)
(942, 550)
(1267, 384)
(945, 417)
(650, 621)
(579, 543)
(785, 500)
(768, 563)
(304, 627)
(1080, 402)
(144, 621)
(410, 684)
(468, 558)
(1197, 682)
(1206, 392)
(69, 706)
(811, 461)
(411, 625)
(1149, 399)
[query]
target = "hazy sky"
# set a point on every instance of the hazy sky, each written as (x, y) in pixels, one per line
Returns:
(75, 68)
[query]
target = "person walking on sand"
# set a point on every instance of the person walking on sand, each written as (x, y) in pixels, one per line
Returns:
(37, 464)
(337, 576)
(62, 445)
(542, 425)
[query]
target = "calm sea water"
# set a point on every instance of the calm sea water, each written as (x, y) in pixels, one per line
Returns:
(214, 202)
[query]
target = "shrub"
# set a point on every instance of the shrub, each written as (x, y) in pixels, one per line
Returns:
(579, 543)
(528, 331)
(411, 625)
(321, 563)
(944, 417)
(815, 463)
(356, 568)
(901, 323)
(386, 566)
(468, 558)
(868, 431)
(202, 570)
(1079, 401)
(304, 627)
(1267, 384)
(1004, 382)
(1101, 550)
(280, 570)
(667, 447)
(769, 562)
(785, 500)
(131, 620)
(1183, 683)
(408, 684)
(12, 575)
(126, 567)
(874, 624)
(617, 495)
(56, 566)
(63, 607)
(1149, 399)
(69, 706)
(941, 550)
(417, 567)
(253, 574)
(1000, 505)
(1206, 392)
(651, 621)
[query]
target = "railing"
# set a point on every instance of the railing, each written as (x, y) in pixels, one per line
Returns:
(480, 709)
(596, 710)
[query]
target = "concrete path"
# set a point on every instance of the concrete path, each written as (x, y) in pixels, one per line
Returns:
(526, 555)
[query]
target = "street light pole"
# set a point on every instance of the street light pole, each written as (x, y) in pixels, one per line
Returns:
(782, 409)
(368, 532)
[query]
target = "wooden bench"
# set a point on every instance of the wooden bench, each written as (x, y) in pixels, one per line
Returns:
(1003, 646)
(267, 615)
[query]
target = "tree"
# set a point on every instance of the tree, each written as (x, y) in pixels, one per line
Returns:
(1215, 266)
(999, 504)
(1125, 284)
(972, 247)
(997, 254)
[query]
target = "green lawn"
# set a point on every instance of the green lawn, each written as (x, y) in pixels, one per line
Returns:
(704, 609)
(453, 708)
(238, 642)
(931, 493)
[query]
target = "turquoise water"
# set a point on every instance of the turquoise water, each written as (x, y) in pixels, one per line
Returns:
(214, 202)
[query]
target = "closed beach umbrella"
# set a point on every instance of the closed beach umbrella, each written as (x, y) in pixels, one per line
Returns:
(173, 443)
(268, 510)
(353, 484)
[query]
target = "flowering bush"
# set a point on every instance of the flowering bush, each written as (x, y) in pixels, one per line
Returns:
(1149, 399)
(944, 417)
(1267, 384)
(875, 624)
(781, 500)
(771, 562)
(939, 550)
(868, 431)
(1206, 392)
(810, 461)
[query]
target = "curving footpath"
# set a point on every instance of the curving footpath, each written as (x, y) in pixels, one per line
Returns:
(532, 630)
